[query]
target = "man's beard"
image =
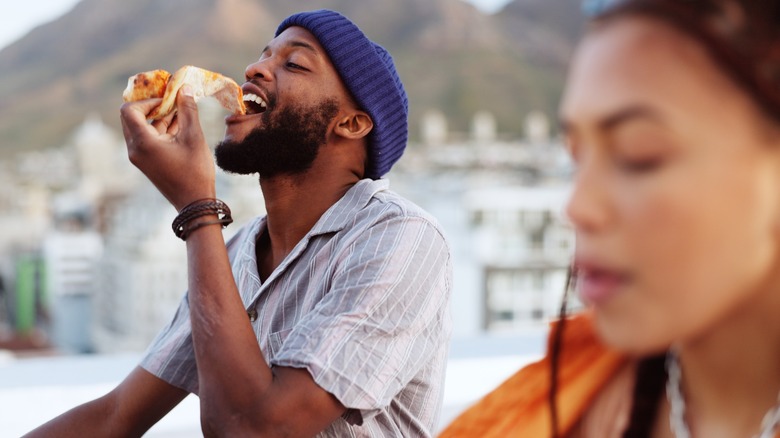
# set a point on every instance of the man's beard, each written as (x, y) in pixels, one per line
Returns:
(286, 144)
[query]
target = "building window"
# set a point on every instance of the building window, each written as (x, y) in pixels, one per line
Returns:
(521, 296)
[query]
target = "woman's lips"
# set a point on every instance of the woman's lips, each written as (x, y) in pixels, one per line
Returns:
(596, 285)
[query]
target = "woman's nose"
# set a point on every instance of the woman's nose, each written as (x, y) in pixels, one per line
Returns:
(588, 207)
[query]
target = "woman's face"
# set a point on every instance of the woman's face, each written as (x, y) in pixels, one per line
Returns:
(676, 197)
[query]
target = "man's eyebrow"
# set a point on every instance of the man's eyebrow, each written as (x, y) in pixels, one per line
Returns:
(303, 44)
(295, 43)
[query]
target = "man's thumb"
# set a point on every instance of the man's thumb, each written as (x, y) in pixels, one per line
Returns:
(188, 109)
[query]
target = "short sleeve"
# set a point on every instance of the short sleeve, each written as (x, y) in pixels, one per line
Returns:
(171, 356)
(384, 318)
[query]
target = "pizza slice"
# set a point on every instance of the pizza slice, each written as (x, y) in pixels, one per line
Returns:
(160, 83)
(146, 85)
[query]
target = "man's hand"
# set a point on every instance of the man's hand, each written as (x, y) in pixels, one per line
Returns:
(171, 152)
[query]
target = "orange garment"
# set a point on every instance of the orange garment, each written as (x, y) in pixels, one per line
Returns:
(519, 407)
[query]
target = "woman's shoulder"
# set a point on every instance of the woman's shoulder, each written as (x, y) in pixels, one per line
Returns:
(520, 406)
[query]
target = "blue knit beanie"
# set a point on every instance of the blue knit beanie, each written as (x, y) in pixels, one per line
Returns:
(368, 72)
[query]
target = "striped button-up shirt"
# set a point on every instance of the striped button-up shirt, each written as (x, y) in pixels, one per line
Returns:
(361, 303)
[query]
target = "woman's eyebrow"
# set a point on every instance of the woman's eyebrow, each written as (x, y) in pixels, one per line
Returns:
(628, 114)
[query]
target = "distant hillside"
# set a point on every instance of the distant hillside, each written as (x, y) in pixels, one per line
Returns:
(451, 56)
(558, 20)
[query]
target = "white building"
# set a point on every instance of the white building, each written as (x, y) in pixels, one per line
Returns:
(501, 202)
(102, 159)
(524, 246)
(143, 273)
(434, 128)
(484, 128)
(71, 256)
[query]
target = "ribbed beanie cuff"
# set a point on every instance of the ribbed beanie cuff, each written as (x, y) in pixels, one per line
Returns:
(368, 72)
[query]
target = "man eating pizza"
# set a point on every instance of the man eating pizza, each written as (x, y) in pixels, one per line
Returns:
(329, 315)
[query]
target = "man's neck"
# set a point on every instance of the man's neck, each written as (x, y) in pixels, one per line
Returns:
(294, 204)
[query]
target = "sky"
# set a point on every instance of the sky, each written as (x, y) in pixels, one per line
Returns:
(19, 17)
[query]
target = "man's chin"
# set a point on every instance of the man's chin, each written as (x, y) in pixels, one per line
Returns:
(286, 145)
(230, 158)
(236, 171)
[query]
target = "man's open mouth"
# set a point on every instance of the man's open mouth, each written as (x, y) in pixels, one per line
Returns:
(254, 104)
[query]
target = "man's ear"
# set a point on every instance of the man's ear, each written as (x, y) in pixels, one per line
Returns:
(354, 125)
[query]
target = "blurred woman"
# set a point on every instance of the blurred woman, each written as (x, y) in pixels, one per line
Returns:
(672, 116)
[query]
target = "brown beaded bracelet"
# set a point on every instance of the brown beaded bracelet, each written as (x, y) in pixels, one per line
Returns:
(182, 226)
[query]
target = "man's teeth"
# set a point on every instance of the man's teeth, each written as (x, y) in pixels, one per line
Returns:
(256, 99)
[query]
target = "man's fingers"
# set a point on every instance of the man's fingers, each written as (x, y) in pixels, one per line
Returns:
(188, 109)
(173, 129)
(164, 125)
(133, 114)
(138, 110)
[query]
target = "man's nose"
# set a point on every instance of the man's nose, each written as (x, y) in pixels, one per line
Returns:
(258, 70)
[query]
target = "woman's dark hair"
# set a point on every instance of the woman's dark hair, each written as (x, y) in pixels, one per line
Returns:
(555, 351)
(650, 379)
(743, 38)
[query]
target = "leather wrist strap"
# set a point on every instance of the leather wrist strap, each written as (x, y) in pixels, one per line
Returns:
(183, 226)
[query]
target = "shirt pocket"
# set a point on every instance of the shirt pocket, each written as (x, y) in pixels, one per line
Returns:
(276, 340)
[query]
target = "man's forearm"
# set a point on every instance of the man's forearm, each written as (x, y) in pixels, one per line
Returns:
(134, 406)
(88, 419)
(231, 368)
(239, 393)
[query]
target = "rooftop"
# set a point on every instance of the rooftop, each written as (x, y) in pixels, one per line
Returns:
(34, 390)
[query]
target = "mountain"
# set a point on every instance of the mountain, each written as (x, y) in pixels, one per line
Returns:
(450, 56)
(558, 21)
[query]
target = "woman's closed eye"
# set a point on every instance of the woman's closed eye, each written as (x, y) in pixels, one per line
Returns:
(640, 165)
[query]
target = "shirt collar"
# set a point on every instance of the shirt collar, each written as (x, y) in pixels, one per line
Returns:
(338, 216)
